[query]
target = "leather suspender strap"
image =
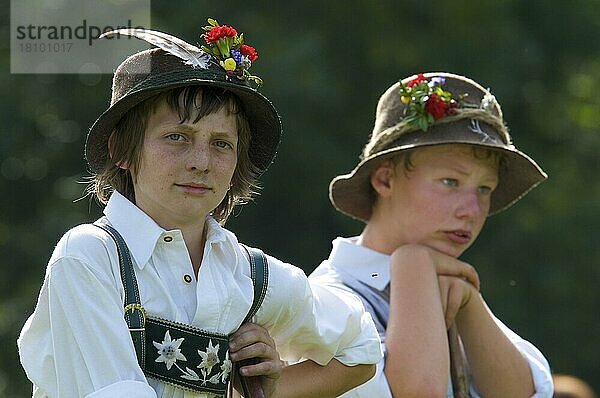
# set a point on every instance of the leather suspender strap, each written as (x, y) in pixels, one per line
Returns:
(259, 272)
(135, 315)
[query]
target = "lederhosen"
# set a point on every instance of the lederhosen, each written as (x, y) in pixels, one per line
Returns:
(174, 353)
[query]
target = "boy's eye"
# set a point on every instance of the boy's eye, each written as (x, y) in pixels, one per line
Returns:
(175, 137)
(452, 182)
(223, 144)
(484, 189)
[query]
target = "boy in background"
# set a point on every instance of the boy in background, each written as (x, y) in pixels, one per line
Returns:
(439, 161)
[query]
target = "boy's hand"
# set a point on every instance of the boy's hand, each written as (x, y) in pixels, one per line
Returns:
(457, 280)
(442, 263)
(455, 293)
(252, 341)
(450, 266)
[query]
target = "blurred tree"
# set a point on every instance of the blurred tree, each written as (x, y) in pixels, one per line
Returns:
(325, 64)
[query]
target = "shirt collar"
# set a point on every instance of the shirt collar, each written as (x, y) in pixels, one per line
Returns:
(138, 229)
(215, 233)
(224, 241)
(360, 262)
(141, 232)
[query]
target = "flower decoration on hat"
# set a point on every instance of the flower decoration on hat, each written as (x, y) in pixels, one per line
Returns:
(426, 101)
(224, 43)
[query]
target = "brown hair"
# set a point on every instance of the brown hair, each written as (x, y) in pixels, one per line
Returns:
(405, 158)
(128, 136)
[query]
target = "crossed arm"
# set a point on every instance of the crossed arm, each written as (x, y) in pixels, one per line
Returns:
(429, 291)
(304, 379)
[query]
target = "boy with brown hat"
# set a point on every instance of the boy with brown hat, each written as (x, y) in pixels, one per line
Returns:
(439, 161)
(156, 298)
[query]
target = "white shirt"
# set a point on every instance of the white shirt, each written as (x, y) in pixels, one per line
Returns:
(76, 343)
(350, 262)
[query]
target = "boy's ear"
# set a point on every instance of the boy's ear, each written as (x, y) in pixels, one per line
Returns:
(381, 178)
(111, 143)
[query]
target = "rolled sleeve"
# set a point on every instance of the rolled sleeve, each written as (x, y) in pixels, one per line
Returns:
(316, 322)
(540, 369)
(345, 325)
(128, 388)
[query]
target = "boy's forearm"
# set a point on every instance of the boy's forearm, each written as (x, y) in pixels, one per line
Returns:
(497, 367)
(417, 346)
(309, 379)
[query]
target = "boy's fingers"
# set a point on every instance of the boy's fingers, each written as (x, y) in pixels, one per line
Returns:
(249, 334)
(454, 302)
(256, 350)
(470, 274)
(446, 265)
(270, 368)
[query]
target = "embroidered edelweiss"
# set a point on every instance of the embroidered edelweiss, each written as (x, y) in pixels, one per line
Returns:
(169, 351)
(226, 367)
(209, 358)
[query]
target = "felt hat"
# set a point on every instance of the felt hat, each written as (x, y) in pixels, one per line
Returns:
(435, 109)
(223, 62)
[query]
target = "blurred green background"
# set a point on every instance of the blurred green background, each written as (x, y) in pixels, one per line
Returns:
(324, 64)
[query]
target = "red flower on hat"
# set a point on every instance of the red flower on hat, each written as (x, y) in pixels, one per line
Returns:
(416, 80)
(229, 51)
(436, 106)
(426, 101)
(219, 32)
(249, 52)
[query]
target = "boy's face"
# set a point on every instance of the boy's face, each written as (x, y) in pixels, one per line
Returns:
(442, 202)
(185, 168)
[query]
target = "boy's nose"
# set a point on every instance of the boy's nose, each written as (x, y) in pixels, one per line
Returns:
(471, 205)
(199, 158)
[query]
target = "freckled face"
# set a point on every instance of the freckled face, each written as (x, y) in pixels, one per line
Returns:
(443, 202)
(185, 168)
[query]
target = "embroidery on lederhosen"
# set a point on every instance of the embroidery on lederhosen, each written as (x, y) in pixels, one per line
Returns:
(186, 357)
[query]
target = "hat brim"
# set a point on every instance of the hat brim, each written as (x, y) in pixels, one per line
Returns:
(353, 195)
(265, 124)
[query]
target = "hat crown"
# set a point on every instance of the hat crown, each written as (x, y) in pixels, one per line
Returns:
(138, 67)
(390, 109)
(152, 63)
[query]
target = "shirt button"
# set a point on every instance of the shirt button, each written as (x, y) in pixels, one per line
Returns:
(167, 238)
(187, 278)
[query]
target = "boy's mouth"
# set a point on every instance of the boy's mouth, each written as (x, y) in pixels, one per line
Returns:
(194, 188)
(459, 236)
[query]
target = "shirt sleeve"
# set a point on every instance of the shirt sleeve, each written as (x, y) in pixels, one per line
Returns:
(76, 343)
(316, 322)
(540, 369)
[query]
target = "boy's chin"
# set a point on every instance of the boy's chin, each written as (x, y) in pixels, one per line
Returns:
(447, 249)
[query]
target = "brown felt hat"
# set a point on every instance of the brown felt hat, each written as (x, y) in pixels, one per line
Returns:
(476, 121)
(147, 73)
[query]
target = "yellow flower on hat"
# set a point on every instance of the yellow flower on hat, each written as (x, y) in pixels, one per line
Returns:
(229, 64)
